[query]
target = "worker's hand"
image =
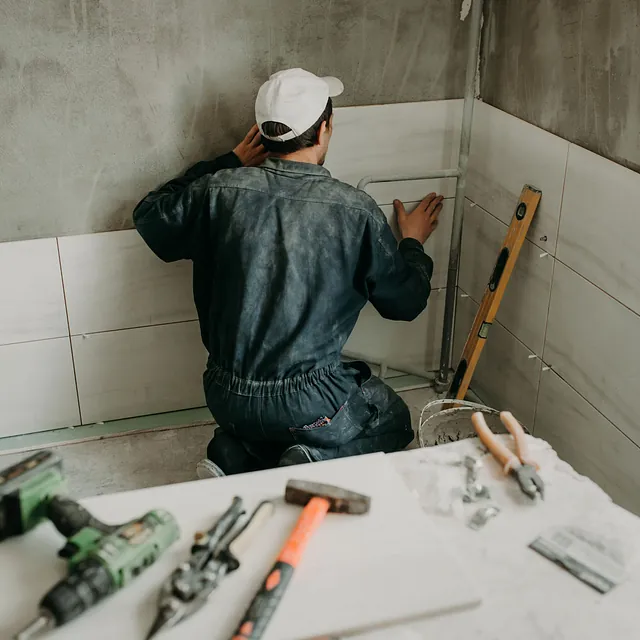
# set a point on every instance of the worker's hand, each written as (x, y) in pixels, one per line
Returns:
(422, 221)
(250, 151)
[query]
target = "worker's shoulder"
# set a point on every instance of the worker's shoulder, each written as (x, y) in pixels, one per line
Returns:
(351, 196)
(360, 202)
(322, 189)
(343, 196)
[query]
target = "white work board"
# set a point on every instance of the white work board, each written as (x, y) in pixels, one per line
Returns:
(359, 572)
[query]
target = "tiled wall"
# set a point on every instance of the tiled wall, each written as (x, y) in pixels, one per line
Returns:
(95, 327)
(564, 354)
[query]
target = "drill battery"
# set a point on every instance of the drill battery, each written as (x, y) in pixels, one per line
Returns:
(26, 488)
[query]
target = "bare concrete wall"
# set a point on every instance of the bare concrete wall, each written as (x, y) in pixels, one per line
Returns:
(100, 100)
(569, 66)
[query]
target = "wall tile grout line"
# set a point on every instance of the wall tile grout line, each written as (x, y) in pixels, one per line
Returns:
(526, 346)
(636, 444)
(564, 264)
(553, 273)
(10, 344)
(599, 288)
(132, 328)
(535, 404)
(506, 226)
(66, 311)
(564, 186)
(544, 342)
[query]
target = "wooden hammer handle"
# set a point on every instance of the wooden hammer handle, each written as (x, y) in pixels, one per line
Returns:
(256, 619)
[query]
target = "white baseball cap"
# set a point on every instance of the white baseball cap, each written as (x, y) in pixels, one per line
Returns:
(295, 98)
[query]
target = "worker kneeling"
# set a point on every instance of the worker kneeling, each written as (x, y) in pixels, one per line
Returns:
(284, 259)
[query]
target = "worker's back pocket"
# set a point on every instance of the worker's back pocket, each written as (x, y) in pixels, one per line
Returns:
(346, 425)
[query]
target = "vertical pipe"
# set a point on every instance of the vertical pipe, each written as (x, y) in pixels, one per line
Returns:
(475, 27)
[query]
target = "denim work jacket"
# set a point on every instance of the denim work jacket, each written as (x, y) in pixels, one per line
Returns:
(284, 259)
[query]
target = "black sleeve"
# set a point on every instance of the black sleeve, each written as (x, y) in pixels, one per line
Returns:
(171, 217)
(399, 279)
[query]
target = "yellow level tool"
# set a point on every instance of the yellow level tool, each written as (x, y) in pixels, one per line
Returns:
(518, 229)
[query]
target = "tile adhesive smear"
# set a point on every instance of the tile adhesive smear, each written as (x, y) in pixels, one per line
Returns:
(465, 9)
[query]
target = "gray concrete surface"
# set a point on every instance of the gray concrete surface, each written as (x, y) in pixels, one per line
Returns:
(100, 100)
(569, 66)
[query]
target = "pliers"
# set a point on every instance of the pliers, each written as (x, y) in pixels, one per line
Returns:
(214, 554)
(518, 464)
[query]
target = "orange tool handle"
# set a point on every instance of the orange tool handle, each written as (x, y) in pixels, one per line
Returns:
(520, 437)
(500, 452)
(258, 615)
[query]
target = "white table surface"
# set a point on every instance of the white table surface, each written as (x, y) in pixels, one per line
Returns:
(359, 572)
(525, 596)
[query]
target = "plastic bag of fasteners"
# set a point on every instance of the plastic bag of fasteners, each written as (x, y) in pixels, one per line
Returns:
(446, 420)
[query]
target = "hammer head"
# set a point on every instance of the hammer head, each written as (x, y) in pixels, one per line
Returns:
(340, 500)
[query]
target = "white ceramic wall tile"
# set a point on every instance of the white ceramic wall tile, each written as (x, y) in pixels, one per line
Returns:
(37, 387)
(437, 246)
(600, 226)
(113, 281)
(31, 297)
(524, 308)
(506, 377)
(136, 372)
(506, 154)
(401, 344)
(592, 343)
(398, 139)
(585, 439)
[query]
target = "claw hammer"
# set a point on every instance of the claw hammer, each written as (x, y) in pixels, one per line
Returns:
(318, 500)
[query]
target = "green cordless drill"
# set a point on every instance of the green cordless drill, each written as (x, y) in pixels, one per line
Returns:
(100, 565)
(101, 558)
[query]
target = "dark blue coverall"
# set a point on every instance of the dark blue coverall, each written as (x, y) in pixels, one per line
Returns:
(284, 259)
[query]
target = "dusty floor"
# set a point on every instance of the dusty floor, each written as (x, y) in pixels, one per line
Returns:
(151, 458)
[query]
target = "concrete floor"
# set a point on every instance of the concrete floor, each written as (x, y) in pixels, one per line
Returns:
(150, 458)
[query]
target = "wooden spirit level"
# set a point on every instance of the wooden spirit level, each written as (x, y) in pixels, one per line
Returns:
(526, 209)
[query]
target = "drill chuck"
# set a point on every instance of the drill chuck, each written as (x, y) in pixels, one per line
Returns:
(89, 583)
(86, 586)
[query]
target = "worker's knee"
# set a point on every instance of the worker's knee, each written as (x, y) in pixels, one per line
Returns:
(392, 413)
(229, 453)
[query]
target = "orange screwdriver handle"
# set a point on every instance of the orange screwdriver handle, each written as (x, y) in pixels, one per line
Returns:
(507, 459)
(256, 619)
